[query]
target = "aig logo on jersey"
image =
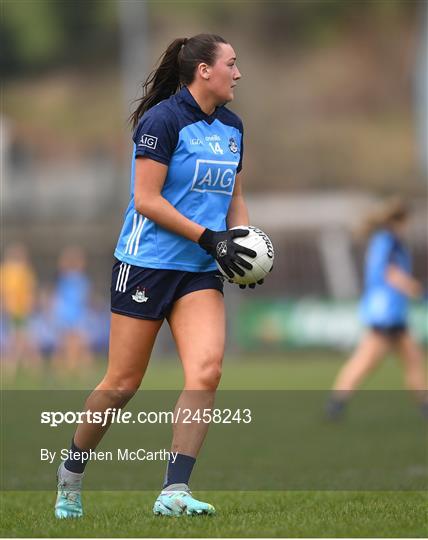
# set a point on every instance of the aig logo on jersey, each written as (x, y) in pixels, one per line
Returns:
(150, 141)
(214, 176)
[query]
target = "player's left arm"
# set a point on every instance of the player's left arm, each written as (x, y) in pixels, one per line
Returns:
(238, 213)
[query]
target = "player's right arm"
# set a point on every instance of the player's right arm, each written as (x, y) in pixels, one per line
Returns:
(149, 180)
(148, 200)
(404, 282)
(379, 263)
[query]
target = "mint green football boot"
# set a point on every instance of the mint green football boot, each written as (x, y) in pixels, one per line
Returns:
(176, 500)
(69, 501)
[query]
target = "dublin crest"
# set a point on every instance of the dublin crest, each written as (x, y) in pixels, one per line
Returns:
(233, 147)
(140, 296)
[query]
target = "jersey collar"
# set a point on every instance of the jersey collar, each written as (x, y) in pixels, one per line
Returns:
(185, 95)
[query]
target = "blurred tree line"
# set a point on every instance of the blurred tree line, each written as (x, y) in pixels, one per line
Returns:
(38, 35)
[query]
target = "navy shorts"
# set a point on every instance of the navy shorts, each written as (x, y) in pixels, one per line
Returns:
(391, 332)
(148, 293)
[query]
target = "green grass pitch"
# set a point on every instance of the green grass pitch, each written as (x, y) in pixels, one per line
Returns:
(239, 514)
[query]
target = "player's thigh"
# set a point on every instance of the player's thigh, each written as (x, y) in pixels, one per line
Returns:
(198, 325)
(409, 350)
(374, 345)
(131, 344)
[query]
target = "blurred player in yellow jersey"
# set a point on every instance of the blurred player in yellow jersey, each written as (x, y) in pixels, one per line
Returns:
(17, 293)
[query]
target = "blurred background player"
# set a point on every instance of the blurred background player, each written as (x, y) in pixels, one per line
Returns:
(388, 286)
(70, 307)
(17, 292)
(43, 325)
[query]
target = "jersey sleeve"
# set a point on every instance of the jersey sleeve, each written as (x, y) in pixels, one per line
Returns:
(156, 135)
(241, 153)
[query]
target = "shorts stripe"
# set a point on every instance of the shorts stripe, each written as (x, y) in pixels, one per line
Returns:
(122, 277)
(119, 275)
(125, 280)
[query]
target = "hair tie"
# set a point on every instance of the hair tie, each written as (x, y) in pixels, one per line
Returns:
(185, 40)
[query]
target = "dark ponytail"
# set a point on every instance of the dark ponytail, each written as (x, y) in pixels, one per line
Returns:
(176, 66)
(393, 210)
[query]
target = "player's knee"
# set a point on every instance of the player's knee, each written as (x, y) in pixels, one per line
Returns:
(208, 377)
(119, 390)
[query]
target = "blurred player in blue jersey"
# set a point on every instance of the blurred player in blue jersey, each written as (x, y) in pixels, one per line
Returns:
(388, 286)
(186, 194)
(71, 301)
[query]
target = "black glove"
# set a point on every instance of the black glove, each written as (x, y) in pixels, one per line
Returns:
(252, 285)
(225, 251)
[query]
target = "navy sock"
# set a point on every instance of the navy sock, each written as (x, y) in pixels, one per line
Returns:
(336, 407)
(179, 471)
(75, 463)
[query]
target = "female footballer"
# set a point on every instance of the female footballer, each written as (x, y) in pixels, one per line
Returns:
(388, 285)
(185, 194)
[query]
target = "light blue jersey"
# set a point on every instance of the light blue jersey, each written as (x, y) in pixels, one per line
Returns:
(203, 154)
(383, 305)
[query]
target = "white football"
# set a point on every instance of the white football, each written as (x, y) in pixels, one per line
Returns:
(260, 242)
